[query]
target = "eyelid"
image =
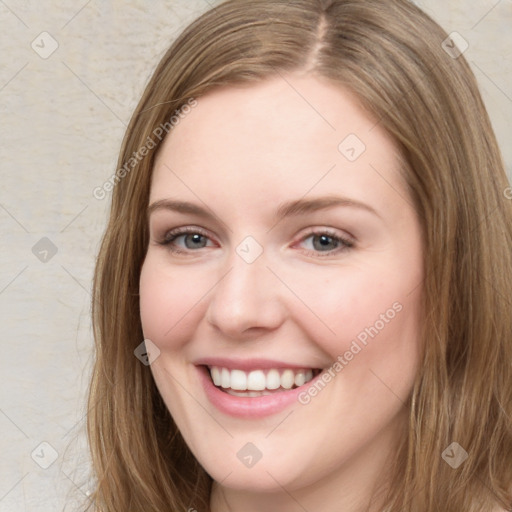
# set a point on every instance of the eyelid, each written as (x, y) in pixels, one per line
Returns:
(347, 241)
(175, 232)
(325, 230)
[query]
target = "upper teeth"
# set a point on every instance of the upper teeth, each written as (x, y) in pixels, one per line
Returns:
(258, 380)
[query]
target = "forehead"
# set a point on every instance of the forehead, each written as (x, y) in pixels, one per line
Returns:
(282, 138)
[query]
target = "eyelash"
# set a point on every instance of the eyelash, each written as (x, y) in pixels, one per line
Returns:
(345, 243)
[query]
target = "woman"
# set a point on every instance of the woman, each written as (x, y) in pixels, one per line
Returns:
(311, 232)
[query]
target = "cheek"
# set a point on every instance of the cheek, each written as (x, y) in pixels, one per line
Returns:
(170, 303)
(367, 320)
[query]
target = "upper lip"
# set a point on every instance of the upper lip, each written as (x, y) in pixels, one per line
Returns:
(249, 364)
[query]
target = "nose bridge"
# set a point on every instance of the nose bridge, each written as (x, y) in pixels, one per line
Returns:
(246, 296)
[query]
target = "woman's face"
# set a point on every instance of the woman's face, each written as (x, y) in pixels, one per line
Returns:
(293, 247)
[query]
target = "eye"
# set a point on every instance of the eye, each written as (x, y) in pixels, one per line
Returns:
(321, 242)
(326, 241)
(185, 239)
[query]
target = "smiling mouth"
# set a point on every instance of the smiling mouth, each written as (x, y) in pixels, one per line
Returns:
(260, 382)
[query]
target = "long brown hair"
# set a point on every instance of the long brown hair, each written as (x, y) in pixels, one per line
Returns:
(392, 56)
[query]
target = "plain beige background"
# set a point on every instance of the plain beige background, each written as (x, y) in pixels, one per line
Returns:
(63, 115)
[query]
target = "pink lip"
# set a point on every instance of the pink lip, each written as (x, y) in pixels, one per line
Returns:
(246, 407)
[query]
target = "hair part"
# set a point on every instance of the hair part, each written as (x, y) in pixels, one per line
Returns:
(389, 55)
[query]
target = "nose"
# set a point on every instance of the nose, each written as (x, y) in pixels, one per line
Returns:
(246, 301)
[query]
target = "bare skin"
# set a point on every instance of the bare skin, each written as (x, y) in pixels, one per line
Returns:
(240, 154)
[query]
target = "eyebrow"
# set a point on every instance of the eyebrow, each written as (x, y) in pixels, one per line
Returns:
(303, 206)
(287, 209)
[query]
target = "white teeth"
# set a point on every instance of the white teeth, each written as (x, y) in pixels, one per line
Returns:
(287, 379)
(250, 394)
(238, 380)
(300, 378)
(273, 380)
(258, 382)
(225, 381)
(215, 372)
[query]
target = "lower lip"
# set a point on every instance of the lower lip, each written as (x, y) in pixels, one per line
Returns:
(249, 407)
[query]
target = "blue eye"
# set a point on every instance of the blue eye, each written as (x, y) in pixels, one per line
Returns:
(321, 242)
(197, 241)
(327, 242)
(192, 238)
